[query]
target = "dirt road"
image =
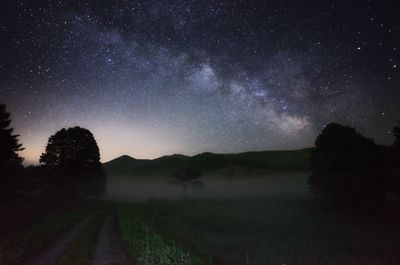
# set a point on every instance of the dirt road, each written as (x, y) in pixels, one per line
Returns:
(108, 250)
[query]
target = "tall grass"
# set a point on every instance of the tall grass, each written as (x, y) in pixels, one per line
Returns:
(276, 230)
(145, 245)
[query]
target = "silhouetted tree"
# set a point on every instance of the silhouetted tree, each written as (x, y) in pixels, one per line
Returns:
(346, 166)
(396, 133)
(392, 158)
(72, 159)
(10, 161)
(186, 178)
(34, 180)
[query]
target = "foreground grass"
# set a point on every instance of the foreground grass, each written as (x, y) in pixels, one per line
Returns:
(145, 245)
(26, 227)
(82, 248)
(283, 229)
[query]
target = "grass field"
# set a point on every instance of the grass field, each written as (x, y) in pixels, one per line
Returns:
(286, 227)
(257, 217)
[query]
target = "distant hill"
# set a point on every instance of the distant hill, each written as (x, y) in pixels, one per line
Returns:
(280, 160)
(124, 164)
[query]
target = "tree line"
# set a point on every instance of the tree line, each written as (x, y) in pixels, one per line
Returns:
(349, 168)
(69, 167)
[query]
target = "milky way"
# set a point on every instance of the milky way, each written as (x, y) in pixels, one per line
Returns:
(151, 78)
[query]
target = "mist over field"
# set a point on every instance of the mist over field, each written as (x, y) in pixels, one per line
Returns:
(219, 184)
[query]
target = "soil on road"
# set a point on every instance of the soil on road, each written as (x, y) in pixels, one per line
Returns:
(53, 253)
(109, 249)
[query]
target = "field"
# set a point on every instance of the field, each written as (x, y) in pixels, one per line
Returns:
(284, 226)
(238, 216)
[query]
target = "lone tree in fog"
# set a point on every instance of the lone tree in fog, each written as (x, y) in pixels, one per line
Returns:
(346, 166)
(10, 161)
(186, 178)
(73, 159)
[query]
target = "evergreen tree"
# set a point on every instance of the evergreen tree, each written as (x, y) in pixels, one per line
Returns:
(10, 161)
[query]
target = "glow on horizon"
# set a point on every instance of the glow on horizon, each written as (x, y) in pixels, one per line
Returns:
(147, 91)
(113, 142)
(144, 142)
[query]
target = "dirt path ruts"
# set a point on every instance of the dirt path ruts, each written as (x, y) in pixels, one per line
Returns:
(109, 249)
(52, 254)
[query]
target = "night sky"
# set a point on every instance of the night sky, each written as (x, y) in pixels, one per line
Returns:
(151, 78)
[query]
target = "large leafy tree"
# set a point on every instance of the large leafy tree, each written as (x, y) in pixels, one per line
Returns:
(10, 161)
(72, 157)
(71, 148)
(346, 166)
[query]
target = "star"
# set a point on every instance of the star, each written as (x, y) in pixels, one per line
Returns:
(152, 78)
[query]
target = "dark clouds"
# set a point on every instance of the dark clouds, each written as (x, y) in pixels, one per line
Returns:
(194, 76)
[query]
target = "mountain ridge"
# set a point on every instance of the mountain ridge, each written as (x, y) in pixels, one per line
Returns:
(280, 159)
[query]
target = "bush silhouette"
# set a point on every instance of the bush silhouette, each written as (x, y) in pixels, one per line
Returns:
(346, 166)
(72, 162)
(10, 161)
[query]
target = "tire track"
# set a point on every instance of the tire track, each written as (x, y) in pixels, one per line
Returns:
(52, 254)
(109, 249)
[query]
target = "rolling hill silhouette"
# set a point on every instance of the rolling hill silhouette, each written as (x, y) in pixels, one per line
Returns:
(279, 160)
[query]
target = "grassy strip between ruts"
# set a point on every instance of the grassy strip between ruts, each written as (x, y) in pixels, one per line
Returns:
(145, 245)
(82, 248)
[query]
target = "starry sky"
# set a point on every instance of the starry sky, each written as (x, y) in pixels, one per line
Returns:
(152, 78)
